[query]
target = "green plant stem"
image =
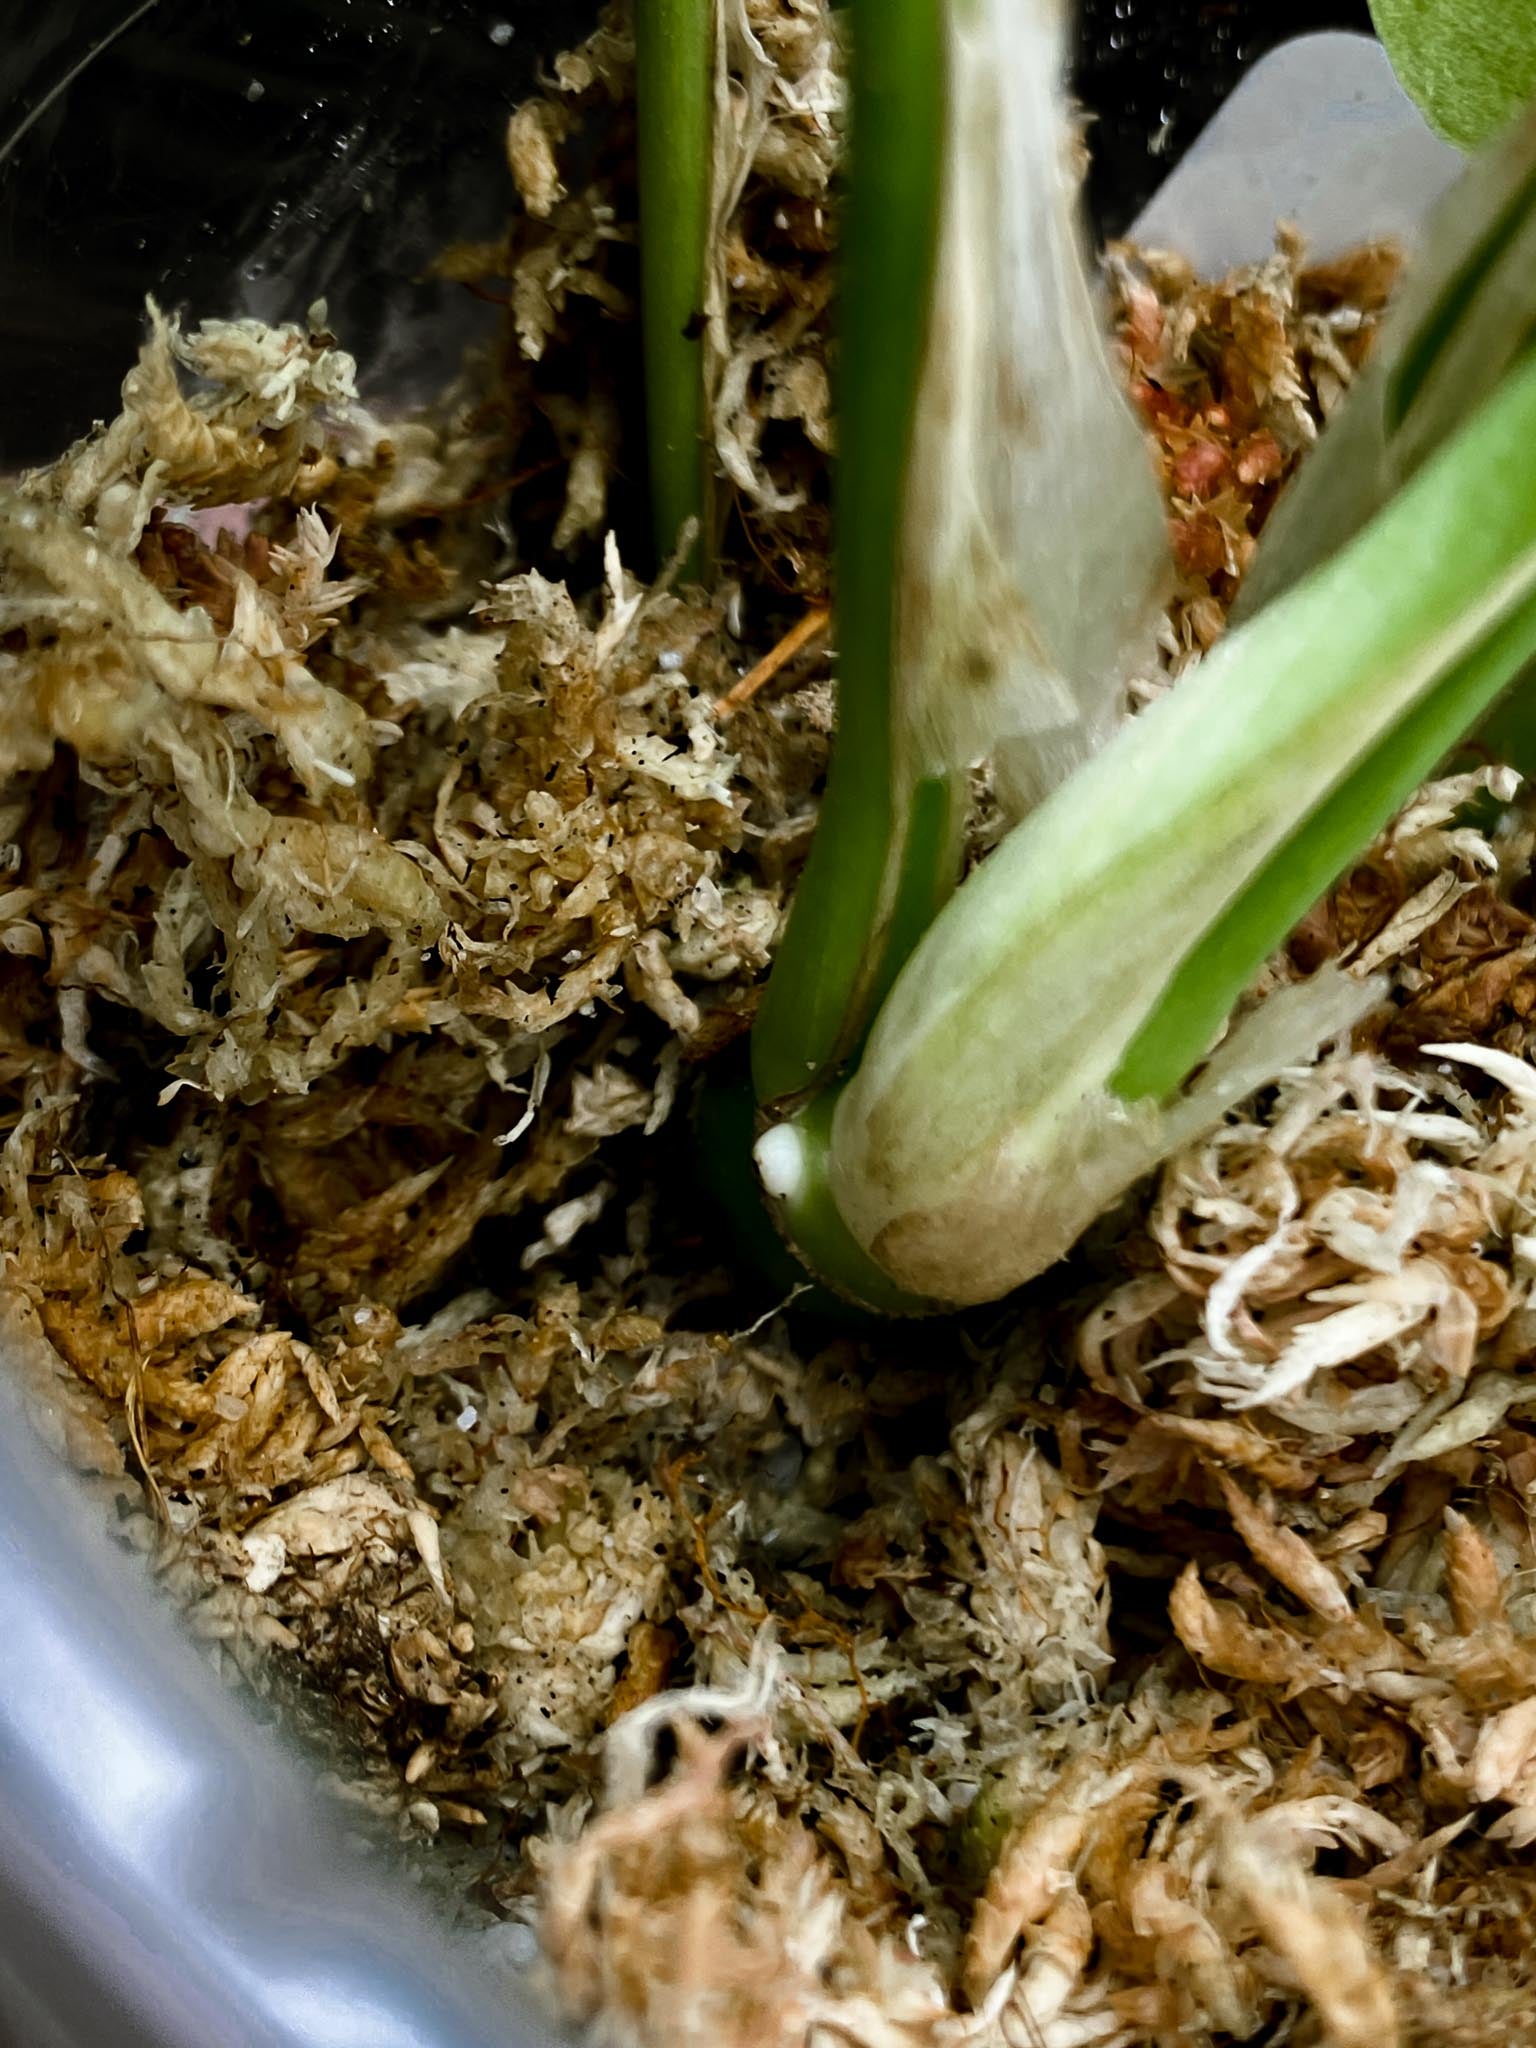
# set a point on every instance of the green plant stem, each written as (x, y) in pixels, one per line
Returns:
(792, 1159)
(674, 96)
(1022, 1073)
(1197, 1001)
(883, 857)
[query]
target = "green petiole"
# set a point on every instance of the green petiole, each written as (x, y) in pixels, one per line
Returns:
(674, 97)
(885, 850)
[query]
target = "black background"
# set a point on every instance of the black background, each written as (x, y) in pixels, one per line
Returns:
(340, 142)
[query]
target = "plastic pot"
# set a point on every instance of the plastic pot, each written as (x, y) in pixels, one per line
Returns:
(169, 1877)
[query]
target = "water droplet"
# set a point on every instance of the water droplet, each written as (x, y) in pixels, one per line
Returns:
(501, 33)
(255, 90)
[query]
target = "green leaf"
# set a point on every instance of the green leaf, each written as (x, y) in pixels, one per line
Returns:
(1470, 64)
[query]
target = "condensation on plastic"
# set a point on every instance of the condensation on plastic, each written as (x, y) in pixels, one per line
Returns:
(247, 159)
(168, 1877)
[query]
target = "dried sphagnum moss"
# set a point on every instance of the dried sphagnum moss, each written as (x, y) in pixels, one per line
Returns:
(1154, 1665)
